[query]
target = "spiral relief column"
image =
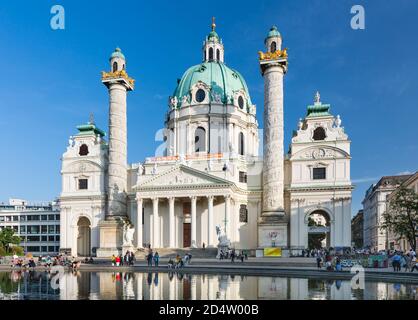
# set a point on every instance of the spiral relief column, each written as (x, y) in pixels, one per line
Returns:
(118, 83)
(273, 64)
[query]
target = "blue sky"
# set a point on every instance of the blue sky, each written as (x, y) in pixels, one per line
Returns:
(51, 79)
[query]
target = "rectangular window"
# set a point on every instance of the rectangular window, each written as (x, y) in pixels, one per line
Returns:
(51, 238)
(51, 217)
(22, 229)
(51, 229)
(57, 217)
(44, 217)
(57, 249)
(22, 218)
(44, 239)
(57, 228)
(319, 173)
(44, 229)
(33, 239)
(44, 248)
(57, 238)
(82, 184)
(33, 249)
(51, 248)
(15, 218)
(33, 229)
(243, 213)
(33, 217)
(242, 177)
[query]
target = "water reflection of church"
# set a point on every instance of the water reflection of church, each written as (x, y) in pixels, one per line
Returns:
(173, 286)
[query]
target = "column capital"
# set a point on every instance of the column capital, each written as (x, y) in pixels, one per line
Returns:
(193, 198)
(210, 197)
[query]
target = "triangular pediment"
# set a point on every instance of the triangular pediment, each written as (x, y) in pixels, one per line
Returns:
(182, 176)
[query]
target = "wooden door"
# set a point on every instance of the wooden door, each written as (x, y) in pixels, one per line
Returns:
(186, 235)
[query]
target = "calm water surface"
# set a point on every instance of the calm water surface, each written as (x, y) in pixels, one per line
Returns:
(149, 286)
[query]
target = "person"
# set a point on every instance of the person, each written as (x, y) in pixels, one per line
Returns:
(170, 263)
(338, 266)
(396, 262)
(179, 262)
(189, 258)
(120, 260)
(233, 255)
(131, 259)
(149, 259)
(113, 259)
(318, 262)
(156, 259)
(414, 264)
(117, 260)
(242, 256)
(203, 245)
(91, 260)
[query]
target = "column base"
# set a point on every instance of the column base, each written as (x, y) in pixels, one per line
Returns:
(272, 232)
(111, 238)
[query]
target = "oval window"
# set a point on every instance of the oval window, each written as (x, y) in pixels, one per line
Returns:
(241, 102)
(200, 95)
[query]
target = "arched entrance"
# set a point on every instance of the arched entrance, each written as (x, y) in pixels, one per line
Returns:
(83, 237)
(319, 230)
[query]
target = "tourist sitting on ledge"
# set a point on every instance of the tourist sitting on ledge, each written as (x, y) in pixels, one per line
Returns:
(179, 262)
(170, 263)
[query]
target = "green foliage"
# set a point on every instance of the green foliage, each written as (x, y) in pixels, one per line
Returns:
(401, 216)
(8, 238)
(2, 251)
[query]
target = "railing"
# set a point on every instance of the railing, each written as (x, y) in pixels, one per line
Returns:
(193, 156)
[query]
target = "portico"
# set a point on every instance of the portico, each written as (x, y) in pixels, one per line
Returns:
(180, 220)
(182, 215)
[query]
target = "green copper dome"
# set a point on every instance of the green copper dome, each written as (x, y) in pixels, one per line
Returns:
(117, 54)
(273, 33)
(222, 80)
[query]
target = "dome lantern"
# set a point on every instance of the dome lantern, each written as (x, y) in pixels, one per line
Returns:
(273, 40)
(117, 60)
(213, 49)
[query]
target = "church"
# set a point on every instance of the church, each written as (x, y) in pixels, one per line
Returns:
(211, 179)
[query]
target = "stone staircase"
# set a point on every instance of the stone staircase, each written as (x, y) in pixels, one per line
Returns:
(172, 252)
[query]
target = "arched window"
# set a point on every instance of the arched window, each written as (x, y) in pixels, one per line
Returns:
(115, 66)
(200, 140)
(218, 55)
(241, 143)
(319, 134)
(123, 67)
(84, 150)
(210, 54)
(273, 46)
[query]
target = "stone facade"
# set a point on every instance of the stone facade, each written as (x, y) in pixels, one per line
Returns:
(374, 205)
(209, 174)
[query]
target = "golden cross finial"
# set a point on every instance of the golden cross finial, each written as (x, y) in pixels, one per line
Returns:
(213, 24)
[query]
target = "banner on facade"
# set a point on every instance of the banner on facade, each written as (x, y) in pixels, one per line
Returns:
(273, 252)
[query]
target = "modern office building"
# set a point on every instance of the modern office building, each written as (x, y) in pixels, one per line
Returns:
(38, 225)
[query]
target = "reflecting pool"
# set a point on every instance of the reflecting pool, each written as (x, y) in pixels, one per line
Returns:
(176, 286)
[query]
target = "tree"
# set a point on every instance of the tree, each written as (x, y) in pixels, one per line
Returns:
(7, 238)
(401, 215)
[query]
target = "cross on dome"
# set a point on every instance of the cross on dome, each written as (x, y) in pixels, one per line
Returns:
(317, 98)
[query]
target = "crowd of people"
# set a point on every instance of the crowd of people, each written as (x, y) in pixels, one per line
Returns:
(127, 260)
(233, 255)
(406, 261)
